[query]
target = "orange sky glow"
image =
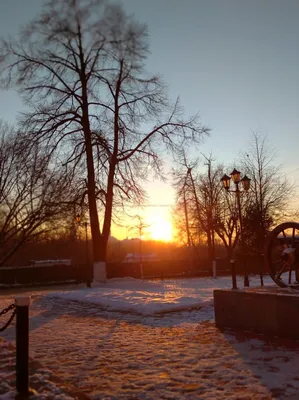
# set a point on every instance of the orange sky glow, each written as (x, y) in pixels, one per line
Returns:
(156, 216)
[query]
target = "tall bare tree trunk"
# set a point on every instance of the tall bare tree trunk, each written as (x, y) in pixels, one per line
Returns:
(98, 245)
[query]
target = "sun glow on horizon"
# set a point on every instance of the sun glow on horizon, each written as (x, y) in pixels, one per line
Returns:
(153, 223)
(161, 230)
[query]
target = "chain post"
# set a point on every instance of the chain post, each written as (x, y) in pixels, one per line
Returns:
(22, 345)
(214, 268)
(246, 277)
(234, 279)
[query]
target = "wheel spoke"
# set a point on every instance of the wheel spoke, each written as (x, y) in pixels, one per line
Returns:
(285, 265)
(282, 254)
(293, 237)
(276, 262)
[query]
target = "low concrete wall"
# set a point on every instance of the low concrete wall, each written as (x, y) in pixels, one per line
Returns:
(274, 312)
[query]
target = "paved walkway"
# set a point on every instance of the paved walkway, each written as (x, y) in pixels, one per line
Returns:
(44, 384)
(123, 356)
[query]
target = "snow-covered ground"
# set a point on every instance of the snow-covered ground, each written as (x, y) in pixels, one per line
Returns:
(153, 296)
(133, 339)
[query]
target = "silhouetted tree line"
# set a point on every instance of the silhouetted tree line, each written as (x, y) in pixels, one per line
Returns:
(206, 214)
(65, 247)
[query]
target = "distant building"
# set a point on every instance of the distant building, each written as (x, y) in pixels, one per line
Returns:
(49, 263)
(137, 257)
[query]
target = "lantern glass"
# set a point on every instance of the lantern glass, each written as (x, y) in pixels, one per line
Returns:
(246, 182)
(236, 176)
(225, 181)
(78, 218)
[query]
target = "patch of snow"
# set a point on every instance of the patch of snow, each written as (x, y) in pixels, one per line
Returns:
(149, 297)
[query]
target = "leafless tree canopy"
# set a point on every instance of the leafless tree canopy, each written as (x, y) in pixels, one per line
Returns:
(80, 68)
(270, 191)
(202, 201)
(205, 212)
(34, 192)
(269, 187)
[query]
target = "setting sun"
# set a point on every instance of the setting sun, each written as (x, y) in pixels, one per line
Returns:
(159, 224)
(161, 230)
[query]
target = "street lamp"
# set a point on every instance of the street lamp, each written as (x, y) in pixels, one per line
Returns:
(245, 181)
(78, 219)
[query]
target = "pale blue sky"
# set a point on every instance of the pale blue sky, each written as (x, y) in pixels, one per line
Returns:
(237, 62)
(234, 61)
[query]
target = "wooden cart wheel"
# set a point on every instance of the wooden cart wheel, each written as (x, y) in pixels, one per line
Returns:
(282, 254)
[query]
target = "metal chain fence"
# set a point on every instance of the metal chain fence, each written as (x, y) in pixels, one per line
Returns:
(5, 311)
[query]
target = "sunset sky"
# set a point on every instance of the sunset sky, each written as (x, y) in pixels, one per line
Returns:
(236, 62)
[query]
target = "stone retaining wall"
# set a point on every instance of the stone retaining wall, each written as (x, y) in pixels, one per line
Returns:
(273, 311)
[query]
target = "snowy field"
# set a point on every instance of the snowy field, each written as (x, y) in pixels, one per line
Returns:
(133, 339)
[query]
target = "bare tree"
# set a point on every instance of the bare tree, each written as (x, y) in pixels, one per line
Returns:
(80, 69)
(33, 193)
(189, 218)
(139, 228)
(212, 212)
(270, 191)
(226, 222)
(209, 196)
(187, 225)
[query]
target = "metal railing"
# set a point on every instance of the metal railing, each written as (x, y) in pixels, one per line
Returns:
(4, 312)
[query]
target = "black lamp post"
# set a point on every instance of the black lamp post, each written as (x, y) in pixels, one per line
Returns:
(78, 219)
(236, 177)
